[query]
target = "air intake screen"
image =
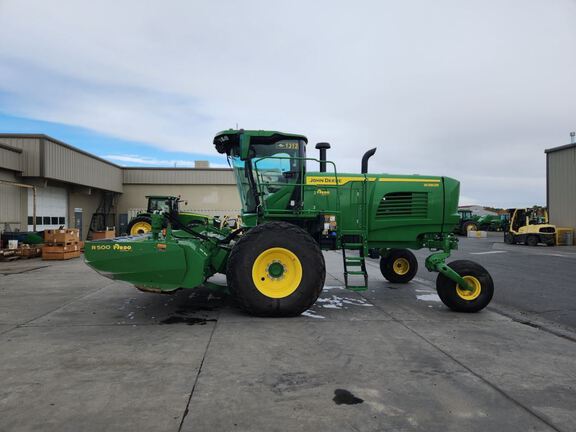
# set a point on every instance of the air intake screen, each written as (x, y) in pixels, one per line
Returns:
(403, 204)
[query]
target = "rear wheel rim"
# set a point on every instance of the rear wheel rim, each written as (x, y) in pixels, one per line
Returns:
(277, 272)
(140, 228)
(401, 266)
(470, 295)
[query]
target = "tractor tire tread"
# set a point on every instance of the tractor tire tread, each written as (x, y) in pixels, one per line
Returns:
(248, 242)
(446, 288)
(387, 269)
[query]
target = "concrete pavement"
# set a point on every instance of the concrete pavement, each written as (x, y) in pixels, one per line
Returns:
(80, 352)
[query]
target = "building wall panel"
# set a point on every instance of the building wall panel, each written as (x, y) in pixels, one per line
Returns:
(10, 158)
(208, 199)
(179, 176)
(65, 164)
(562, 187)
(30, 158)
(88, 204)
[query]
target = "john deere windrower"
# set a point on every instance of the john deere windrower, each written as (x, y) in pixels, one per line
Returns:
(273, 262)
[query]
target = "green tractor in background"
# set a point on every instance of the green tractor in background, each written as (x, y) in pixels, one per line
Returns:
(466, 222)
(492, 222)
(471, 222)
(168, 205)
(274, 262)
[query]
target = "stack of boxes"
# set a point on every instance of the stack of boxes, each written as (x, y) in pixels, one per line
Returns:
(61, 244)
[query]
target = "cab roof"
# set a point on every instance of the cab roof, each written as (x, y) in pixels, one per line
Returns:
(226, 139)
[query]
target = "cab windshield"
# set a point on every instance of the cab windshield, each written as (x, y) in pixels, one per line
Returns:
(268, 172)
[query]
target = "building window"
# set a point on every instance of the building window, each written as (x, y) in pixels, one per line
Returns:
(30, 220)
(62, 221)
(38, 220)
(46, 220)
(54, 221)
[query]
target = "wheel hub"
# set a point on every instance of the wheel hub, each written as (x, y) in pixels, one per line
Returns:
(469, 295)
(277, 272)
(401, 266)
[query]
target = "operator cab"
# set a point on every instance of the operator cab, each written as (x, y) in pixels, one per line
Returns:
(164, 204)
(268, 167)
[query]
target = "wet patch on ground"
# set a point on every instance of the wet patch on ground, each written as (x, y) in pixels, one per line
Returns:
(179, 319)
(344, 397)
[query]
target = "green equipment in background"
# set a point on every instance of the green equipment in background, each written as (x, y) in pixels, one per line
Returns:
(142, 223)
(274, 262)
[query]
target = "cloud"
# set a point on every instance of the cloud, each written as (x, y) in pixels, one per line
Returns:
(474, 90)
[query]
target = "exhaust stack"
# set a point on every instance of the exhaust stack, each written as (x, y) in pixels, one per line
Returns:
(323, 146)
(365, 158)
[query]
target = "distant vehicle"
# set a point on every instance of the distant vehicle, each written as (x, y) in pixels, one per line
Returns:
(166, 204)
(491, 222)
(468, 222)
(529, 226)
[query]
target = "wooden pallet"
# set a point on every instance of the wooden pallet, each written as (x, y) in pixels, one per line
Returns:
(61, 247)
(8, 255)
(29, 252)
(48, 256)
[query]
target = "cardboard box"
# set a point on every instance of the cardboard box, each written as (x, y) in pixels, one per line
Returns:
(68, 235)
(99, 235)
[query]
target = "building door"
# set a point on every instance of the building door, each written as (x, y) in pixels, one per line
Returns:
(78, 220)
(51, 208)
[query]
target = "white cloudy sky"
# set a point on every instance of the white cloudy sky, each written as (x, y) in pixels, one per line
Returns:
(475, 90)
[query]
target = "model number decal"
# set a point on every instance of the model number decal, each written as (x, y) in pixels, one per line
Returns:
(115, 246)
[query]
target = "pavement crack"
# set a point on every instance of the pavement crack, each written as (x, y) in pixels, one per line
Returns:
(187, 409)
(487, 382)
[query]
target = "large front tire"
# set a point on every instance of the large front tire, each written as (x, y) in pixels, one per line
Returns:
(399, 265)
(139, 225)
(276, 270)
(460, 300)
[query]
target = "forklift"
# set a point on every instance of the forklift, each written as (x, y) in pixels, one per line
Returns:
(530, 227)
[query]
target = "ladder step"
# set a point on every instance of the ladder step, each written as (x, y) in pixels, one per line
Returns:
(355, 258)
(354, 263)
(352, 245)
(363, 273)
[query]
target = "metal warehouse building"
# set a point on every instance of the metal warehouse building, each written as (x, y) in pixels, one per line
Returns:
(561, 185)
(66, 186)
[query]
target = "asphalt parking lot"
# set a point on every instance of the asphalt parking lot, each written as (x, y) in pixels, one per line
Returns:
(81, 352)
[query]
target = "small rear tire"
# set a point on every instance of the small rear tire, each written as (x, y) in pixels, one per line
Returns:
(460, 300)
(532, 240)
(509, 238)
(399, 266)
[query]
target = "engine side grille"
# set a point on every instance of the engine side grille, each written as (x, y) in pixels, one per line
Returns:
(403, 205)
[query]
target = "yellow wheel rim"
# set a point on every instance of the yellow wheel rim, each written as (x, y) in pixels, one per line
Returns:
(140, 228)
(401, 266)
(471, 227)
(476, 289)
(277, 272)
